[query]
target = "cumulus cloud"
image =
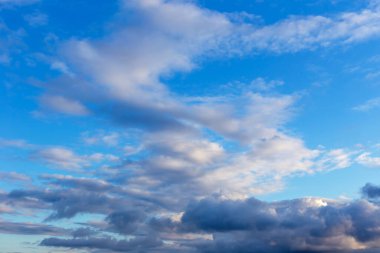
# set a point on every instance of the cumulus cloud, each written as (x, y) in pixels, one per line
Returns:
(303, 225)
(217, 224)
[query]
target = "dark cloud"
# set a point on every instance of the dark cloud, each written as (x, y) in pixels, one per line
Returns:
(83, 232)
(68, 203)
(210, 225)
(125, 222)
(21, 228)
(140, 244)
(371, 191)
(303, 225)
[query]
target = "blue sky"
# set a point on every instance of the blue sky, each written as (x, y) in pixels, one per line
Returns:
(189, 126)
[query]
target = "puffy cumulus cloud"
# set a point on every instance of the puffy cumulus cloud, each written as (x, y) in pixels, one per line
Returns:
(371, 191)
(217, 224)
(301, 225)
(262, 168)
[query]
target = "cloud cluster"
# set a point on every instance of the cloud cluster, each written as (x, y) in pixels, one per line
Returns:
(217, 224)
(155, 196)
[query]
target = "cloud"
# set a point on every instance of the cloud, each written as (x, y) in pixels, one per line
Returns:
(36, 19)
(64, 158)
(368, 105)
(299, 33)
(61, 157)
(67, 203)
(301, 225)
(20, 228)
(370, 191)
(262, 85)
(217, 224)
(63, 105)
(367, 160)
(7, 143)
(125, 222)
(101, 138)
(110, 244)
(190, 148)
(14, 176)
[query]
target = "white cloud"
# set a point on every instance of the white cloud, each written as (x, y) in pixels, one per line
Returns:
(368, 105)
(125, 69)
(64, 158)
(367, 160)
(61, 157)
(10, 143)
(63, 105)
(36, 19)
(13, 176)
(299, 33)
(100, 138)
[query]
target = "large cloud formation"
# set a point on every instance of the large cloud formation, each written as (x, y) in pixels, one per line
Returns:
(185, 169)
(251, 225)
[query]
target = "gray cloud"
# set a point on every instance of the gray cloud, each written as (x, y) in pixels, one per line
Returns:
(20, 228)
(303, 225)
(371, 191)
(141, 244)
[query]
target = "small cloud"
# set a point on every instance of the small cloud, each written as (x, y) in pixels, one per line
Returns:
(368, 105)
(61, 157)
(63, 105)
(36, 19)
(21, 144)
(100, 138)
(13, 176)
(263, 85)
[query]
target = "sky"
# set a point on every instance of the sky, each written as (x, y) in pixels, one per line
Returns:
(191, 126)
